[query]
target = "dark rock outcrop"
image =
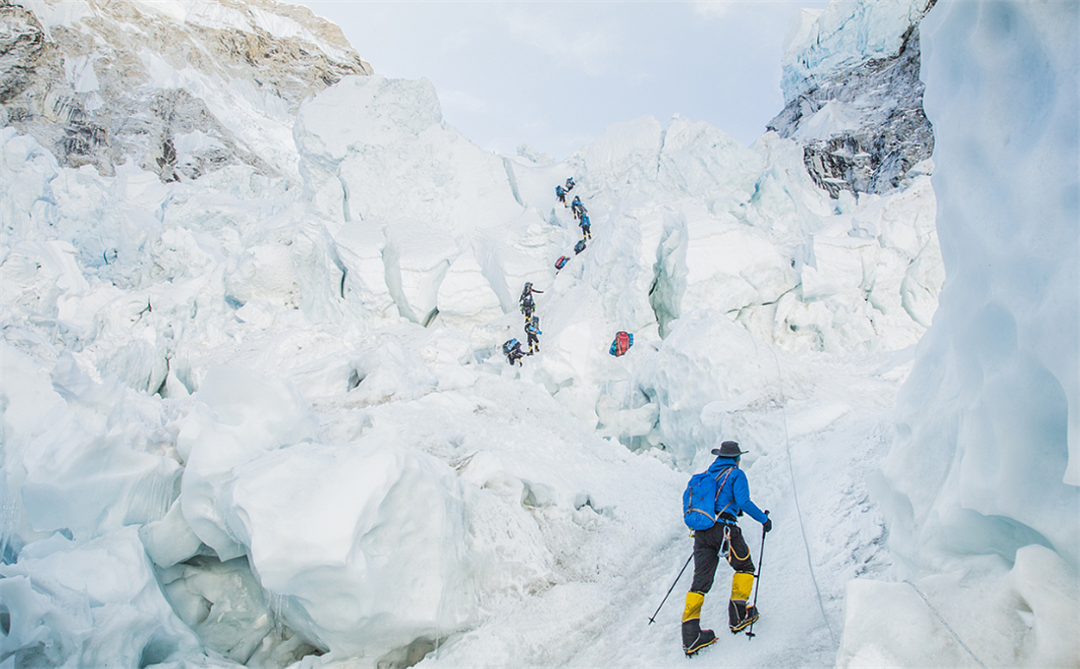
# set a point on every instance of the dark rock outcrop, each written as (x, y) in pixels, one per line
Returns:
(124, 114)
(883, 98)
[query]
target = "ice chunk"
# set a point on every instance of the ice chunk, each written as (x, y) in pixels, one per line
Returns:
(103, 461)
(693, 370)
(89, 604)
(365, 540)
(1025, 616)
(245, 415)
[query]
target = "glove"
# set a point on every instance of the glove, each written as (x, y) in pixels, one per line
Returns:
(767, 525)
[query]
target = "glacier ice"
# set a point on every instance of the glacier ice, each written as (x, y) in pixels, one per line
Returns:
(265, 366)
(982, 484)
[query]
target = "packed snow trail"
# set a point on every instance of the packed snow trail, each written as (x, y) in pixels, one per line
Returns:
(603, 619)
(795, 498)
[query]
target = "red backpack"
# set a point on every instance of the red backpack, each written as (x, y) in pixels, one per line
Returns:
(623, 342)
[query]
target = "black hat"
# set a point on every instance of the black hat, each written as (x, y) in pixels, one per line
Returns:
(728, 449)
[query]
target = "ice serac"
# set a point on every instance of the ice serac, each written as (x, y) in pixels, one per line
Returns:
(852, 94)
(111, 611)
(983, 480)
(101, 83)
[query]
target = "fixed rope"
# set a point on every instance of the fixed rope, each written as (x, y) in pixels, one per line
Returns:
(947, 626)
(795, 495)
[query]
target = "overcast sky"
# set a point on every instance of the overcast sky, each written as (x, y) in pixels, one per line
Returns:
(554, 74)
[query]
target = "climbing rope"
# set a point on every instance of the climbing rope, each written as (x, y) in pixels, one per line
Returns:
(806, 543)
(951, 630)
(795, 495)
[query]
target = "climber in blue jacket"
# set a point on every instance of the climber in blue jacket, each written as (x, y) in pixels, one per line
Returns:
(725, 537)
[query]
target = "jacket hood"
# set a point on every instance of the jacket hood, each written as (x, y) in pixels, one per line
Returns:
(720, 463)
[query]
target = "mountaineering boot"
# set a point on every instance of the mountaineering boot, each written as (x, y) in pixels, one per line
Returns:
(741, 615)
(750, 617)
(693, 637)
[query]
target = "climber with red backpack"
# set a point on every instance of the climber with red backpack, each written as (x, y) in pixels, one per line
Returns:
(712, 503)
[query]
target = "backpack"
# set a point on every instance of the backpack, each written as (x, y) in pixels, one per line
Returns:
(579, 247)
(534, 325)
(509, 345)
(561, 262)
(623, 342)
(699, 499)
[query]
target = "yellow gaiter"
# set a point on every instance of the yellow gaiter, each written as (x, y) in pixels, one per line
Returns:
(694, 600)
(741, 585)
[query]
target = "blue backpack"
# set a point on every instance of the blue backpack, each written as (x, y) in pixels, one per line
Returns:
(699, 499)
(561, 262)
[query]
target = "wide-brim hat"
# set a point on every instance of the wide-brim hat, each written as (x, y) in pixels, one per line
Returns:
(728, 449)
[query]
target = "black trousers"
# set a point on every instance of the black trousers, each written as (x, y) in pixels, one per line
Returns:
(708, 546)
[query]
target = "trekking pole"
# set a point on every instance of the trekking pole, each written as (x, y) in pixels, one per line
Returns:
(653, 619)
(757, 587)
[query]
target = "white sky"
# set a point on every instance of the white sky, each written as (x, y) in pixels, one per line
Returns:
(555, 74)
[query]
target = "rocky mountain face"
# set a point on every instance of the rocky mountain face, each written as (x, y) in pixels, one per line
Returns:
(859, 119)
(102, 82)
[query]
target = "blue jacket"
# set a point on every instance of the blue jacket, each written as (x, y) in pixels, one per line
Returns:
(735, 496)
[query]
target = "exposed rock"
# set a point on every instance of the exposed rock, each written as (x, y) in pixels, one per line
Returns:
(861, 124)
(124, 81)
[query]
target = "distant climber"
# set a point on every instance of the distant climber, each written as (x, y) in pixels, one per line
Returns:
(623, 342)
(569, 184)
(512, 351)
(579, 247)
(561, 194)
(722, 535)
(585, 225)
(576, 207)
(528, 289)
(526, 300)
(532, 332)
(561, 262)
